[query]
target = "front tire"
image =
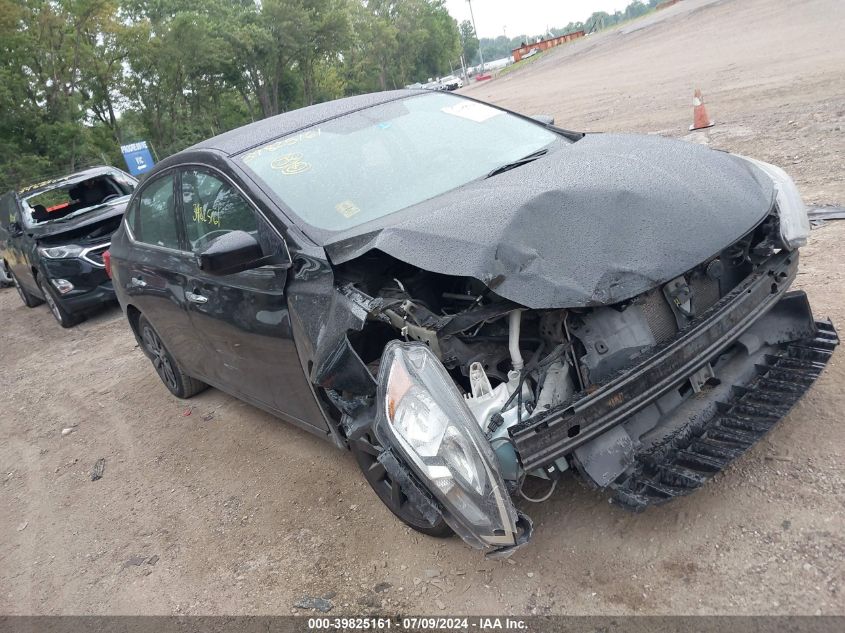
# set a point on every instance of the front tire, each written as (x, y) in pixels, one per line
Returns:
(366, 450)
(177, 381)
(29, 299)
(65, 318)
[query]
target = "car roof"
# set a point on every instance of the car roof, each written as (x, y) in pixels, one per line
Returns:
(254, 134)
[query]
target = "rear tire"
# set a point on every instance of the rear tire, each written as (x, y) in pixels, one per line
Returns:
(177, 381)
(366, 451)
(29, 299)
(66, 319)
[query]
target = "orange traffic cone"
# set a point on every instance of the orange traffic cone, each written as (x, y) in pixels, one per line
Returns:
(700, 119)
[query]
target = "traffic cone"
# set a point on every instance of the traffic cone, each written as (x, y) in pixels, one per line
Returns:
(700, 120)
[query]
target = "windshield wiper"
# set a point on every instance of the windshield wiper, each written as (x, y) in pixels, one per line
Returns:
(521, 161)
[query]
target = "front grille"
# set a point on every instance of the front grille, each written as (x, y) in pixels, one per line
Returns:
(95, 255)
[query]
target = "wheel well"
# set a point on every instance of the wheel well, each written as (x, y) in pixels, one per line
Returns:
(134, 316)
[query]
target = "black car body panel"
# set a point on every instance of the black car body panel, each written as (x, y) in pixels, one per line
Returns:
(242, 338)
(601, 198)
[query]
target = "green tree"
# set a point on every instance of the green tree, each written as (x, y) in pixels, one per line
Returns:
(469, 42)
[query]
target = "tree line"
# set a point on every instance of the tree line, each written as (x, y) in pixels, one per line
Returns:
(78, 78)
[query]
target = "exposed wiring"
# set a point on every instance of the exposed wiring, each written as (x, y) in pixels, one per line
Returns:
(541, 499)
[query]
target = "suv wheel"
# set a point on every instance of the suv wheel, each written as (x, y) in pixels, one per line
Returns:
(177, 381)
(366, 450)
(29, 300)
(65, 318)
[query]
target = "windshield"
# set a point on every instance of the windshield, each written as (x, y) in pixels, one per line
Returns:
(76, 197)
(369, 164)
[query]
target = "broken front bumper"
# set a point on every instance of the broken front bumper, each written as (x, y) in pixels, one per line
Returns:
(777, 331)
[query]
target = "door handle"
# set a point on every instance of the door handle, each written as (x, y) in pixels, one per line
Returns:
(195, 298)
(137, 282)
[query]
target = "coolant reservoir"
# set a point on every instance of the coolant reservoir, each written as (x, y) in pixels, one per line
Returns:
(484, 401)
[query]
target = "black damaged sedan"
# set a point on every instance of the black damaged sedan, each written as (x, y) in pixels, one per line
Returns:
(477, 303)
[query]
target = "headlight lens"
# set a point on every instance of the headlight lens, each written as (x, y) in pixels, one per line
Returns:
(61, 252)
(422, 415)
(794, 223)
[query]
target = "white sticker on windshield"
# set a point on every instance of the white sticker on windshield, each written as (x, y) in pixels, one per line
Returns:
(473, 111)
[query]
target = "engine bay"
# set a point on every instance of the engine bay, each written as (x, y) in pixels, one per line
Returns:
(514, 365)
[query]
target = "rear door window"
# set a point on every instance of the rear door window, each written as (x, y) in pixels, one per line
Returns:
(155, 220)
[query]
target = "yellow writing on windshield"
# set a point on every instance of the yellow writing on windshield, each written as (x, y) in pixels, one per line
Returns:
(290, 164)
(280, 144)
(347, 208)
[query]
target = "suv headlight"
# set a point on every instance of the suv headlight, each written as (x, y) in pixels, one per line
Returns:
(424, 417)
(794, 223)
(61, 252)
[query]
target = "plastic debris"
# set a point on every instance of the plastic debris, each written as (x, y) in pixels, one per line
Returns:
(317, 604)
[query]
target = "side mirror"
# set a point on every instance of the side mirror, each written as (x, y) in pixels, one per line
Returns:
(15, 229)
(231, 253)
(545, 119)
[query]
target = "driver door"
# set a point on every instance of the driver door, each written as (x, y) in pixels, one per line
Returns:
(243, 318)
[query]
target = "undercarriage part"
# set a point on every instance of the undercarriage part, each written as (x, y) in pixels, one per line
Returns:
(611, 339)
(688, 460)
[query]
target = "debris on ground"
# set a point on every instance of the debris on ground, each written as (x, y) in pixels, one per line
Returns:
(99, 467)
(208, 417)
(67, 431)
(152, 560)
(369, 600)
(819, 216)
(22, 526)
(382, 587)
(134, 561)
(317, 604)
(187, 412)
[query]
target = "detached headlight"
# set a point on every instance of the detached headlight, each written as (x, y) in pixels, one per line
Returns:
(61, 252)
(422, 415)
(794, 224)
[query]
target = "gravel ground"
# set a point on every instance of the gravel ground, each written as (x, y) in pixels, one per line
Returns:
(212, 507)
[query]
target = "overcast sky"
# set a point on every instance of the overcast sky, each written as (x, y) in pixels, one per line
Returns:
(528, 17)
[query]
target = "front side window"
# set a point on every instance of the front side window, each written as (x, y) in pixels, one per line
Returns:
(373, 162)
(154, 221)
(211, 207)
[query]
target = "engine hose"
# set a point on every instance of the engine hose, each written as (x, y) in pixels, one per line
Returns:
(541, 499)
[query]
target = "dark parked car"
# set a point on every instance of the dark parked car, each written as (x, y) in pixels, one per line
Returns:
(468, 299)
(53, 235)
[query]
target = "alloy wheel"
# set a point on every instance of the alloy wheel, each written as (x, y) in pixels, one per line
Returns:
(367, 450)
(51, 303)
(160, 357)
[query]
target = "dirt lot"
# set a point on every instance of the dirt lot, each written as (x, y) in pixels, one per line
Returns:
(228, 510)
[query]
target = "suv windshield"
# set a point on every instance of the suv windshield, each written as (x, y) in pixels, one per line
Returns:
(374, 162)
(75, 197)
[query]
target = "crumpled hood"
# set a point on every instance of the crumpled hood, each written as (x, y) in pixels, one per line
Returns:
(591, 223)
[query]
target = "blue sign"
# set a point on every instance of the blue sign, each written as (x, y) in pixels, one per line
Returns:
(137, 157)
